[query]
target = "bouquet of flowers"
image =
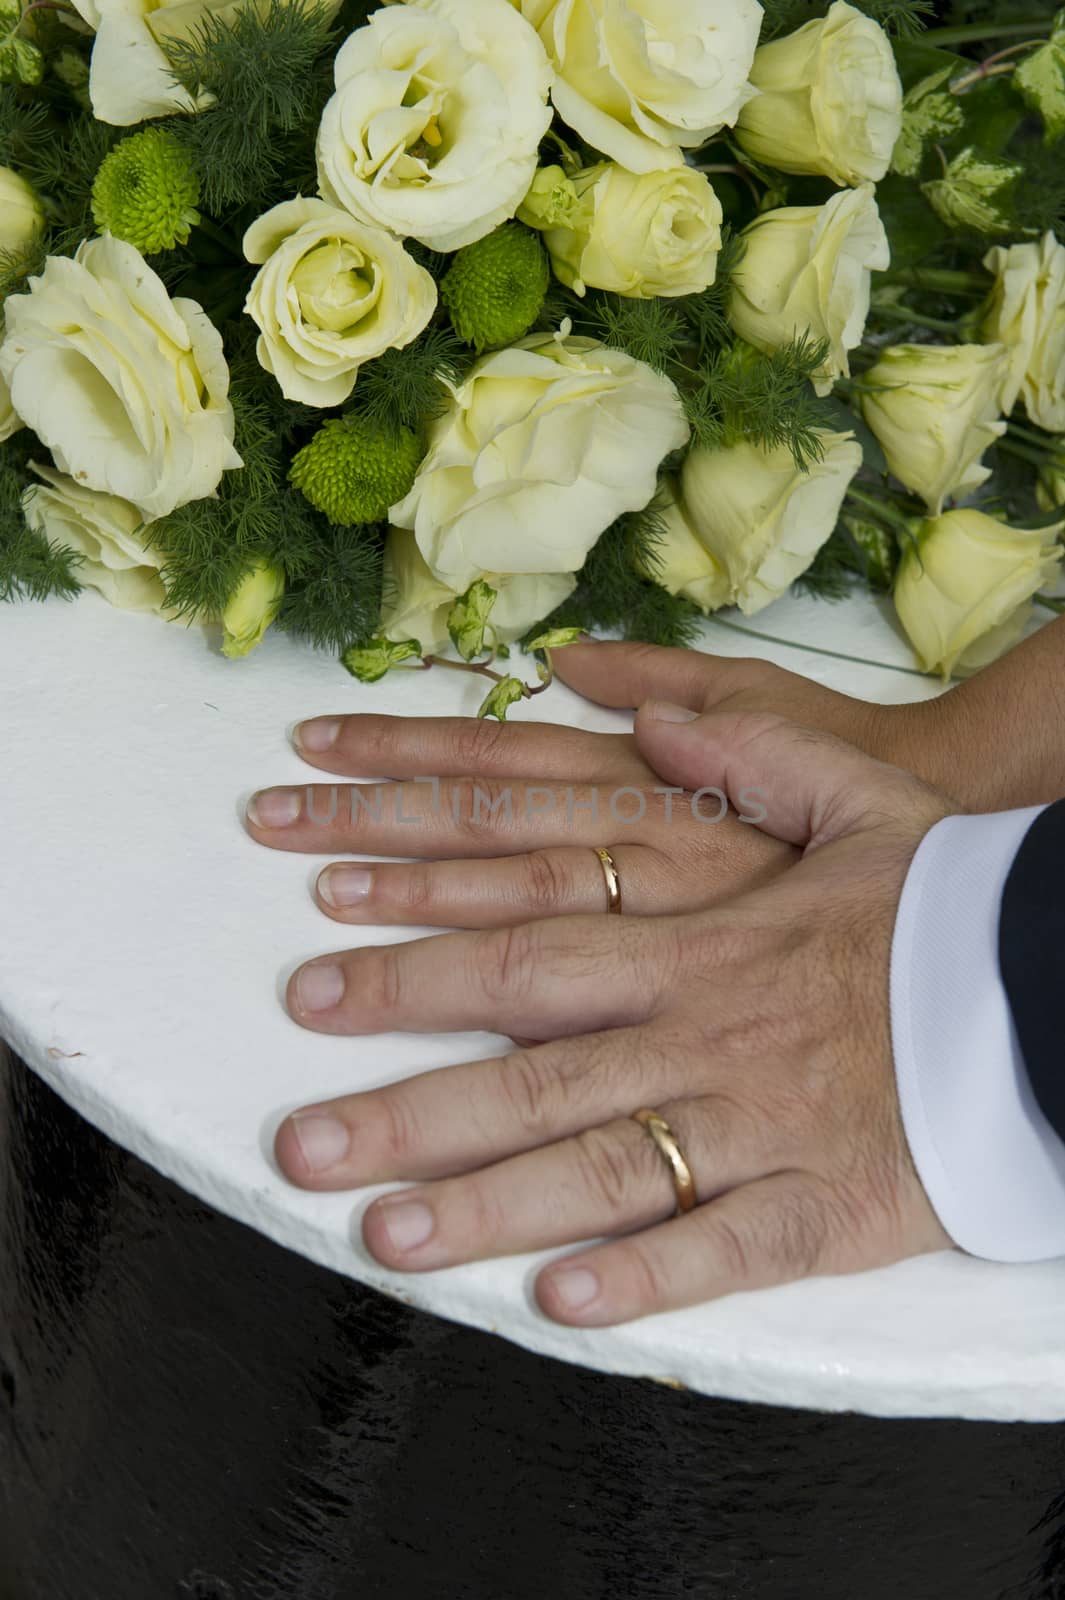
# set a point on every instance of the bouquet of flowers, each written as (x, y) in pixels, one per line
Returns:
(455, 323)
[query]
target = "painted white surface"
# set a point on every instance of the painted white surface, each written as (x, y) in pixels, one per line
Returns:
(144, 940)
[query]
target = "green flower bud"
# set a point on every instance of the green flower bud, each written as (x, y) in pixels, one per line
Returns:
(552, 200)
(501, 697)
(370, 662)
(354, 470)
(251, 608)
(971, 195)
(467, 621)
(880, 552)
(495, 289)
(146, 192)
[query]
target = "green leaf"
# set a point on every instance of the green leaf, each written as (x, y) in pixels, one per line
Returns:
(467, 621)
(928, 113)
(500, 697)
(554, 639)
(20, 61)
(1041, 80)
(973, 194)
(370, 662)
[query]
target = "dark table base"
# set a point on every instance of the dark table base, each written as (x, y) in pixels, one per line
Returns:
(189, 1412)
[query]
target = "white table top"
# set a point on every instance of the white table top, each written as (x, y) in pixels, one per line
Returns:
(144, 942)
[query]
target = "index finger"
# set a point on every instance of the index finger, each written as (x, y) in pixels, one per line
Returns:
(626, 675)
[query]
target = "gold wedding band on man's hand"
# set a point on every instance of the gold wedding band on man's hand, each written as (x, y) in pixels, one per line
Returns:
(613, 881)
(679, 1170)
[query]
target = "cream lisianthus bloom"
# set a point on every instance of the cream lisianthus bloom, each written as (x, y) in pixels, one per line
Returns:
(417, 605)
(251, 608)
(637, 78)
(935, 410)
(332, 294)
(654, 235)
(127, 387)
(829, 100)
(683, 563)
(808, 270)
(542, 447)
(761, 516)
(10, 421)
(963, 589)
(1027, 315)
(433, 131)
(108, 534)
(21, 213)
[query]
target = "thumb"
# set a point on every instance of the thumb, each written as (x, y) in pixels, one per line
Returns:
(796, 784)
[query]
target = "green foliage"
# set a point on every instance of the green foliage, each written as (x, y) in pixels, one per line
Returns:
(336, 602)
(265, 68)
(31, 567)
(405, 388)
(902, 18)
(651, 330)
(707, 313)
(614, 591)
(61, 162)
(766, 399)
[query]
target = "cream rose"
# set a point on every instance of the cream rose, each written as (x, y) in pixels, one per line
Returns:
(808, 269)
(829, 100)
(760, 516)
(648, 236)
(433, 131)
(10, 421)
(21, 213)
(962, 592)
(333, 293)
(637, 78)
(108, 534)
(1027, 315)
(935, 410)
(541, 448)
(127, 387)
(417, 605)
(683, 563)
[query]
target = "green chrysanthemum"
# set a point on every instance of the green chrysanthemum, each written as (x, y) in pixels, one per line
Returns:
(353, 471)
(146, 192)
(495, 288)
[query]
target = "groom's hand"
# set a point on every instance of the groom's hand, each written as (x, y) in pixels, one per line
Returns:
(759, 1030)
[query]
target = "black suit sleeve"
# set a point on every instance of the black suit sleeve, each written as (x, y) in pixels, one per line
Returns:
(1032, 958)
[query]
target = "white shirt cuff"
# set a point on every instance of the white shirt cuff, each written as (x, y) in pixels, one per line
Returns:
(992, 1165)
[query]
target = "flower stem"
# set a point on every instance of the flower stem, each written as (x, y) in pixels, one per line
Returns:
(880, 508)
(941, 280)
(1051, 604)
(1040, 441)
(1022, 452)
(482, 668)
(977, 32)
(917, 318)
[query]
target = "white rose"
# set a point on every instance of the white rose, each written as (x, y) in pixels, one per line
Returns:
(107, 532)
(683, 563)
(21, 214)
(962, 592)
(648, 236)
(808, 269)
(935, 410)
(126, 386)
(417, 604)
(1027, 315)
(761, 516)
(637, 78)
(439, 109)
(541, 448)
(829, 100)
(10, 421)
(333, 293)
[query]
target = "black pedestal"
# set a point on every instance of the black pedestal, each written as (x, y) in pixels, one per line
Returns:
(189, 1412)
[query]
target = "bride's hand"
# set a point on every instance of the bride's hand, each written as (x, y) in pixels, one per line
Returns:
(508, 830)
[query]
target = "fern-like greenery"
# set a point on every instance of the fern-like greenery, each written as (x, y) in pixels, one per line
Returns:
(902, 18)
(405, 388)
(31, 568)
(265, 68)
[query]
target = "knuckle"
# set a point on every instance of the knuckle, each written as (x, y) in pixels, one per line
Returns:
(478, 803)
(418, 886)
(381, 985)
(529, 1086)
(732, 1250)
(646, 1274)
(400, 1131)
(800, 1229)
(547, 883)
(505, 961)
(612, 1170)
(486, 1219)
(479, 743)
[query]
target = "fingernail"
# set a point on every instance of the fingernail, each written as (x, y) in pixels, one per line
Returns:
(274, 808)
(574, 1287)
(663, 711)
(345, 886)
(319, 988)
(317, 735)
(407, 1223)
(323, 1141)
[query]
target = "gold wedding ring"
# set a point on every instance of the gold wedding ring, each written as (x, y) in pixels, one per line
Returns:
(613, 882)
(679, 1170)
